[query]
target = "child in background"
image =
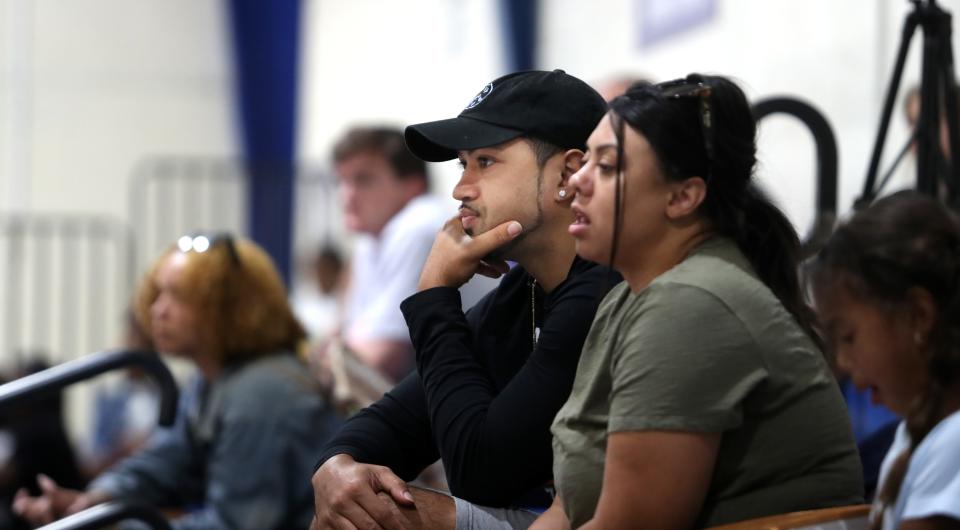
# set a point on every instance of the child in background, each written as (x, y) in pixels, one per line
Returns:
(886, 287)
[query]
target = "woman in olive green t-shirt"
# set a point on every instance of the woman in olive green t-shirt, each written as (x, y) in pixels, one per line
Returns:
(702, 396)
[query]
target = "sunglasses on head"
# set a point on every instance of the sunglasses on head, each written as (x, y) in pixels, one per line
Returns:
(200, 243)
(681, 88)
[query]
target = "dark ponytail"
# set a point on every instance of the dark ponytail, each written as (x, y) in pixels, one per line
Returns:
(769, 241)
(702, 126)
(901, 242)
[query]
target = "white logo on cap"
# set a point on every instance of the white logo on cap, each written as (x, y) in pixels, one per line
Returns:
(480, 97)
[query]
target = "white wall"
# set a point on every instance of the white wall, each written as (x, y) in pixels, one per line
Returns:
(89, 88)
(380, 61)
(420, 60)
(837, 55)
(107, 82)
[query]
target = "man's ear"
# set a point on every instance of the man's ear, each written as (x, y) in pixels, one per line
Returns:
(572, 162)
(685, 197)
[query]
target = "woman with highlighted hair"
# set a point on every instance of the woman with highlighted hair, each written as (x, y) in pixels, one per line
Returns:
(248, 428)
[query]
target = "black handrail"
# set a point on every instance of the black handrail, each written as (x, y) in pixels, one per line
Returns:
(826, 146)
(108, 513)
(52, 380)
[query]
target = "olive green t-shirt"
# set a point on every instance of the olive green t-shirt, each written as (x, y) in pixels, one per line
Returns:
(707, 347)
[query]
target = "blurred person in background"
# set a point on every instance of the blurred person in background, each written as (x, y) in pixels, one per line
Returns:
(617, 84)
(248, 427)
(386, 204)
(318, 300)
(911, 111)
(33, 441)
(125, 413)
(328, 269)
(906, 176)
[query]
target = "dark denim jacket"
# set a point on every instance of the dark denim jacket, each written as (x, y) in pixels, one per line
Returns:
(241, 453)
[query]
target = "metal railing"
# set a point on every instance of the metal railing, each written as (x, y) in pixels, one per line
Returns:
(67, 278)
(109, 513)
(53, 380)
(173, 195)
(66, 282)
(825, 180)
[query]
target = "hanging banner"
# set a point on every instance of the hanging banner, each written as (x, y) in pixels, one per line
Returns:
(662, 19)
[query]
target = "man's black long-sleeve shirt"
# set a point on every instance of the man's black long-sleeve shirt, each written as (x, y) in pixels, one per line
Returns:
(484, 397)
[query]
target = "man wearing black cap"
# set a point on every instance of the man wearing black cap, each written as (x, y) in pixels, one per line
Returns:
(488, 383)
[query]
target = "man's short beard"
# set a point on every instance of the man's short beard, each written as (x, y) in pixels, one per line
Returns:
(505, 251)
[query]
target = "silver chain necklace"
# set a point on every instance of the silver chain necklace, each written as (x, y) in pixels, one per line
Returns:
(533, 313)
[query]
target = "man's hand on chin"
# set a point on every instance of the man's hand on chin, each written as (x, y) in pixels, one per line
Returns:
(455, 256)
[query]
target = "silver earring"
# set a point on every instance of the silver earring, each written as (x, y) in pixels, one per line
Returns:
(563, 193)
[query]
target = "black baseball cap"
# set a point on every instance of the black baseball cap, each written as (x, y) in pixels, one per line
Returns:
(551, 106)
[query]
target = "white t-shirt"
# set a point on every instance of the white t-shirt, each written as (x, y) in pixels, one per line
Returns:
(385, 270)
(932, 484)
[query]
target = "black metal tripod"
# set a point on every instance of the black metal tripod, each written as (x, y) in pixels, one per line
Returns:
(936, 175)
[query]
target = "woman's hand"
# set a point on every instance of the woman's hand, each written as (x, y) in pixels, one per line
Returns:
(54, 502)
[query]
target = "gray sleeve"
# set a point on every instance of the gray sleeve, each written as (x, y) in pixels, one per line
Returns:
(261, 462)
(685, 363)
(264, 447)
(157, 473)
(246, 486)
